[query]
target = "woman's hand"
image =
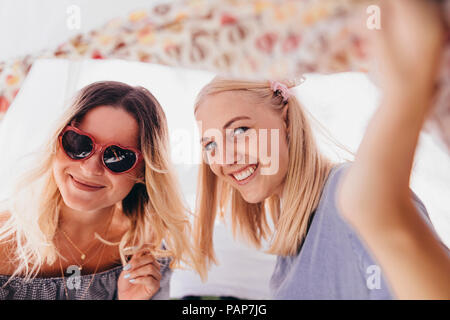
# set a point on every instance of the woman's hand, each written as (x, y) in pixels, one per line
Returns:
(407, 53)
(140, 278)
(408, 46)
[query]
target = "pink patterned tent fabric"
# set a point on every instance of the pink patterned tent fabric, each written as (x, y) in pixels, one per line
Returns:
(255, 38)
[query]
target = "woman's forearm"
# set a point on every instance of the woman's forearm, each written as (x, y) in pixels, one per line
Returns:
(413, 260)
(374, 194)
(375, 198)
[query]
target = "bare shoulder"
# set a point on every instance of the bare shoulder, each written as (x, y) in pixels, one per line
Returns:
(4, 216)
(6, 248)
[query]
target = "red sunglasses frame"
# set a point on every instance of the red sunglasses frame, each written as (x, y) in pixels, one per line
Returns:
(99, 147)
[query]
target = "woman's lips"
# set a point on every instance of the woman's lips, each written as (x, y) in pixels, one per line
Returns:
(249, 178)
(83, 186)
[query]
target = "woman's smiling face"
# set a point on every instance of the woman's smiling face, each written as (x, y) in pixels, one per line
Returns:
(86, 185)
(244, 143)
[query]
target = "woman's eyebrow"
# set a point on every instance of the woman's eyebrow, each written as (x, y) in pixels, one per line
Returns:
(233, 120)
(226, 125)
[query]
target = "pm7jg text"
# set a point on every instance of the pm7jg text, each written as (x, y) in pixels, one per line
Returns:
(244, 309)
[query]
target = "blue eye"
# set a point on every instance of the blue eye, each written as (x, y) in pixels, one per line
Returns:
(239, 130)
(210, 146)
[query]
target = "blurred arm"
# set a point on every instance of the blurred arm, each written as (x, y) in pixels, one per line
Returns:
(374, 194)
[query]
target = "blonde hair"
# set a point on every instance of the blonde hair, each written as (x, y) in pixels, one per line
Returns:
(157, 214)
(306, 175)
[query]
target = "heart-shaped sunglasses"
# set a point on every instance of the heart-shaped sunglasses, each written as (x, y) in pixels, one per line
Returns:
(79, 145)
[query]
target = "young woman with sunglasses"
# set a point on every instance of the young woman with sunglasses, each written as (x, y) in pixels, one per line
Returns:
(100, 216)
(247, 127)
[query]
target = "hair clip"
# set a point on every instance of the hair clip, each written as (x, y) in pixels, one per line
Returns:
(280, 89)
(298, 81)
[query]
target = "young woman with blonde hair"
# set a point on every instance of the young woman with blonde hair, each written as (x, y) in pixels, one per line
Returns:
(100, 216)
(261, 160)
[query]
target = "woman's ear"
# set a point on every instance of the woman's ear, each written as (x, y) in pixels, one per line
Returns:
(141, 175)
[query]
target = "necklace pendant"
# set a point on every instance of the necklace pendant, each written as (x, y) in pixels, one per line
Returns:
(83, 256)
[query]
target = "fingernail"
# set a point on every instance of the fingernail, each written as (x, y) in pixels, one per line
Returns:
(127, 267)
(127, 276)
(132, 280)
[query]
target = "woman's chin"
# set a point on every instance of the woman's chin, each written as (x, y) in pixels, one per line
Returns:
(252, 197)
(78, 205)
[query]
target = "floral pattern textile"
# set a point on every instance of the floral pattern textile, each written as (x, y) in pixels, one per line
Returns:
(276, 39)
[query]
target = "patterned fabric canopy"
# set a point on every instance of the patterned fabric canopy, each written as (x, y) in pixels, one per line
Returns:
(256, 38)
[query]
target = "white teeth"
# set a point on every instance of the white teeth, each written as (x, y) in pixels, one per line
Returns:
(245, 174)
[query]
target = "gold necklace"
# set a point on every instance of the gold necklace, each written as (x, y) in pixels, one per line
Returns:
(82, 254)
(80, 265)
(92, 277)
(103, 246)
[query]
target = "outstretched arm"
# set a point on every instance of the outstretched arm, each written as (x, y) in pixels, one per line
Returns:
(374, 194)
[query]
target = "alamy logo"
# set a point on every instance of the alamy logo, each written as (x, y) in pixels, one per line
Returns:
(74, 280)
(73, 21)
(374, 19)
(373, 280)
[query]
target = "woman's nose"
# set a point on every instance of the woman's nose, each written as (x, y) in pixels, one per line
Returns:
(93, 166)
(232, 154)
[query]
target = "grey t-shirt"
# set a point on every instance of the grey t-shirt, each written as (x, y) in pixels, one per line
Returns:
(333, 263)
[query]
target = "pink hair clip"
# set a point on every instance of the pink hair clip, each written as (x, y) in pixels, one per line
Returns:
(280, 88)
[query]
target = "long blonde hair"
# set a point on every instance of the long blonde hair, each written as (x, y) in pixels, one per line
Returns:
(307, 172)
(157, 214)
